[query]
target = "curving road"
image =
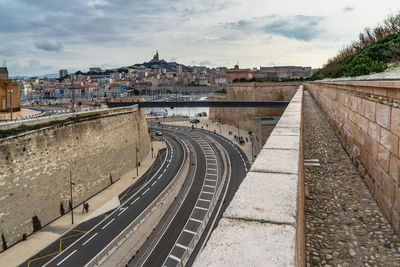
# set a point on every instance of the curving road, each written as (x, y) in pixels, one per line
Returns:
(93, 242)
(169, 246)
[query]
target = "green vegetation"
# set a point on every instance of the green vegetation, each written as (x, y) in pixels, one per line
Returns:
(222, 91)
(269, 79)
(26, 128)
(372, 53)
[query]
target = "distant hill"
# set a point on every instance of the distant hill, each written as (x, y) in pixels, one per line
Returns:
(375, 50)
(162, 64)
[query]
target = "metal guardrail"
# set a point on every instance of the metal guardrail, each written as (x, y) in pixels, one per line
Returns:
(115, 243)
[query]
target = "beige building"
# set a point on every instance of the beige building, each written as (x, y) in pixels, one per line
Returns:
(5, 86)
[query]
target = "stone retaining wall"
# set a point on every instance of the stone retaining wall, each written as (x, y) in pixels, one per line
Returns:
(264, 223)
(35, 166)
(366, 115)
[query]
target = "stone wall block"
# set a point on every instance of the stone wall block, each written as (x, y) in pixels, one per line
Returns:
(394, 169)
(395, 121)
(374, 131)
(383, 158)
(383, 115)
(388, 186)
(389, 141)
(370, 108)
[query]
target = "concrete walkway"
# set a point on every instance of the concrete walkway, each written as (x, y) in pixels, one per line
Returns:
(99, 204)
(23, 114)
(344, 226)
(222, 129)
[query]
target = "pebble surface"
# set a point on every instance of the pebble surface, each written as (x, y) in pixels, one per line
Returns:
(344, 226)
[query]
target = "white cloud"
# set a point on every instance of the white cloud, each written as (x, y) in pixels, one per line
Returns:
(220, 32)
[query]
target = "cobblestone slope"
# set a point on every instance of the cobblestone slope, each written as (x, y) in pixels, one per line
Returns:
(344, 226)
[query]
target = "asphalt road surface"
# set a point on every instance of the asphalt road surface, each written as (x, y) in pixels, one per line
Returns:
(93, 242)
(173, 243)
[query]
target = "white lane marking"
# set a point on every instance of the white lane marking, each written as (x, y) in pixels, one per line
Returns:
(195, 220)
(205, 200)
(209, 180)
(66, 257)
(145, 191)
(154, 183)
(211, 169)
(190, 232)
(175, 258)
(89, 239)
(123, 210)
(210, 186)
(107, 224)
(207, 192)
(200, 208)
(134, 201)
(181, 246)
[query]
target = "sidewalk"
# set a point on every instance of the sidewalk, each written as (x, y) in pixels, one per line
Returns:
(99, 204)
(19, 115)
(222, 130)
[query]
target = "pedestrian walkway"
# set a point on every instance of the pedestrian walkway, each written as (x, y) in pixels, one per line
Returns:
(99, 204)
(344, 226)
(221, 129)
(24, 113)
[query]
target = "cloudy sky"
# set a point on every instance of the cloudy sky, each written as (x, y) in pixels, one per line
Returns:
(42, 36)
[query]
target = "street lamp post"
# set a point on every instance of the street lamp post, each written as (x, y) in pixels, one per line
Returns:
(137, 165)
(10, 91)
(71, 203)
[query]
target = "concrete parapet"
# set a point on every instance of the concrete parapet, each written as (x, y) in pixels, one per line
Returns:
(264, 223)
(366, 116)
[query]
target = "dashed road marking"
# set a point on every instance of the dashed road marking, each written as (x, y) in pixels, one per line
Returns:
(200, 208)
(210, 186)
(207, 192)
(102, 228)
(205, 200)
(123, 210)
(89, 239)
(195, 220)
(181, 246)
(66, 257)
(145, 191)
(190, 232)
(175, 258)
(154, 183)
(135, 200)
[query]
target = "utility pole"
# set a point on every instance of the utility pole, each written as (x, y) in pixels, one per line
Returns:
(71, 201)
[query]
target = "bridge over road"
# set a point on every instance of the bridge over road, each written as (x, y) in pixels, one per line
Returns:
(219, 104)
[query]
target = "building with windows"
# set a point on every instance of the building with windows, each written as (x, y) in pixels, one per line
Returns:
(9, 93)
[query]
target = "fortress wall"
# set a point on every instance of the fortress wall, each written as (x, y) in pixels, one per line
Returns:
(266, 91)
(366, 115)
(35, 166)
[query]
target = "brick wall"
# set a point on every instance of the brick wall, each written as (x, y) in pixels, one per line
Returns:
(366, 115)
(35, 166)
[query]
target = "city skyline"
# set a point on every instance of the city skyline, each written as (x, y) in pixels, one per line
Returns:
(107, 34)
